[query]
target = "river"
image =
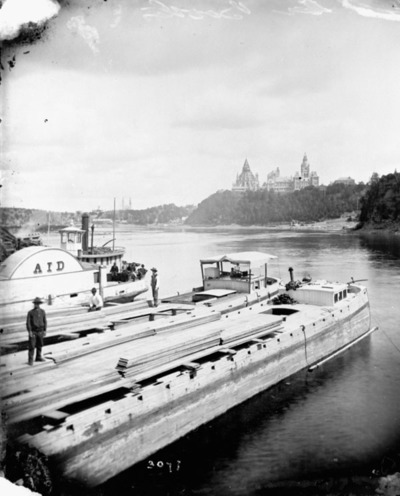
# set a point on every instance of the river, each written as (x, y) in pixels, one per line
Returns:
(340, 421)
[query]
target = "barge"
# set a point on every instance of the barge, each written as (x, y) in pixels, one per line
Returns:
(170, 376)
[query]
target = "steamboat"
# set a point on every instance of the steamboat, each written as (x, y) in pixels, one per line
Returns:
(63, 277)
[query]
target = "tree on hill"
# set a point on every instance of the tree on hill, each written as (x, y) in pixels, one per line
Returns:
(263, 207)
(381, 202)
(162, 214)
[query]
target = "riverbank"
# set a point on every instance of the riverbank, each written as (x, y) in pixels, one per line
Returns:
(328, 225)
(389, 227)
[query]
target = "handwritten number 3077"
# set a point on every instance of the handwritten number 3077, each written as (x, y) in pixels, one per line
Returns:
(170, 466)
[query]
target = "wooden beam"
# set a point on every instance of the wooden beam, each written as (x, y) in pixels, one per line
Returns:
(69, 335)
(56, 415)
(191, 365)
(228, 351)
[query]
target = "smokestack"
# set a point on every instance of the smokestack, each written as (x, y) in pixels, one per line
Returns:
(85, 227)
(291, 274)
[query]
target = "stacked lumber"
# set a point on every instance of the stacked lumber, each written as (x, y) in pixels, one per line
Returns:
(178, 341)
(73, 321)
(125, 334)
(16, 321)
(33, 403)
(234, 302)
(31, 392)
(113, 308)
(165, 349)
(181, 346)
(244, 331)
(124, 317)
(69, 320)
(66, 324)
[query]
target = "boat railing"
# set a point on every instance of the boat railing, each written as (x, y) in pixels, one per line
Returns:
(99, 250)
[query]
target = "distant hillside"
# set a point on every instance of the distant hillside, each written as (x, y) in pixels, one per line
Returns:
(29, 220)
(380, 206)
(265, 207)
(162, 214)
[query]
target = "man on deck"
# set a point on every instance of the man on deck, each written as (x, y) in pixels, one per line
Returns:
(36, 324)
(114, 271)
(96, 301)
(142, 271)
(155, 283)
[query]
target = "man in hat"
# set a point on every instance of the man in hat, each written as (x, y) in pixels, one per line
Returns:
(96, 301)
(36, 324)
(155, 283)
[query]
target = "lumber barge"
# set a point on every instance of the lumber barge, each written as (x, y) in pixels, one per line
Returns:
(104, 402)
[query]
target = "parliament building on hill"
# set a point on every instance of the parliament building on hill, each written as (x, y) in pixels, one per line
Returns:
(246, 180)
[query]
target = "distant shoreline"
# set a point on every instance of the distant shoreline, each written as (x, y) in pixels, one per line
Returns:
(393, 228)
(330, 225)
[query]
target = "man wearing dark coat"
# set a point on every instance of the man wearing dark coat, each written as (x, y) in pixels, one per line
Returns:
(36, 324)
(155, 284)
(114, 271)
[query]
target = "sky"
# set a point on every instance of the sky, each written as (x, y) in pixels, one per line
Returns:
(162, 101)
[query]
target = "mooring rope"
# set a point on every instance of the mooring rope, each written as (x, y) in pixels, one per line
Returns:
(386, 335)
(303, 328)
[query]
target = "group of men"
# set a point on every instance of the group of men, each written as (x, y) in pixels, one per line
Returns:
(36, 320)
(128, 271)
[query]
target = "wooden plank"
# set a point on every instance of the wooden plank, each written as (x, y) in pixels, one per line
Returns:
(227, 351)
(57, 415)
(191, 365)
(9, 346)
(28, 410)
(69, 335)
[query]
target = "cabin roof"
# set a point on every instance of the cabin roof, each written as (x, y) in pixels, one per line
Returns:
(245, 257)
(217, 293)
(327, 287)
(72, 229)
(16, 259)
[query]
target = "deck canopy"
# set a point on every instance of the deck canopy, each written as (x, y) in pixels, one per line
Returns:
(253, 258)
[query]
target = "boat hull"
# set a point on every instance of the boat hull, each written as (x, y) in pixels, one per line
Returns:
(137, 426)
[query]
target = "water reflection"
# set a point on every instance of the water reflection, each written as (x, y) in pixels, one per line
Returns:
(381, 245)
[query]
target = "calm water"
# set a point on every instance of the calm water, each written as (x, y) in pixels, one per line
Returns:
(341, 420)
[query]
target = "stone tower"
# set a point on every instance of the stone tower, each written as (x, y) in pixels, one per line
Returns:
(305, 168)
(246, 180)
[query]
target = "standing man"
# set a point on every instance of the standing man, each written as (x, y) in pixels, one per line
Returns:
(36, 324)
(155, 283)
(96, 301)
